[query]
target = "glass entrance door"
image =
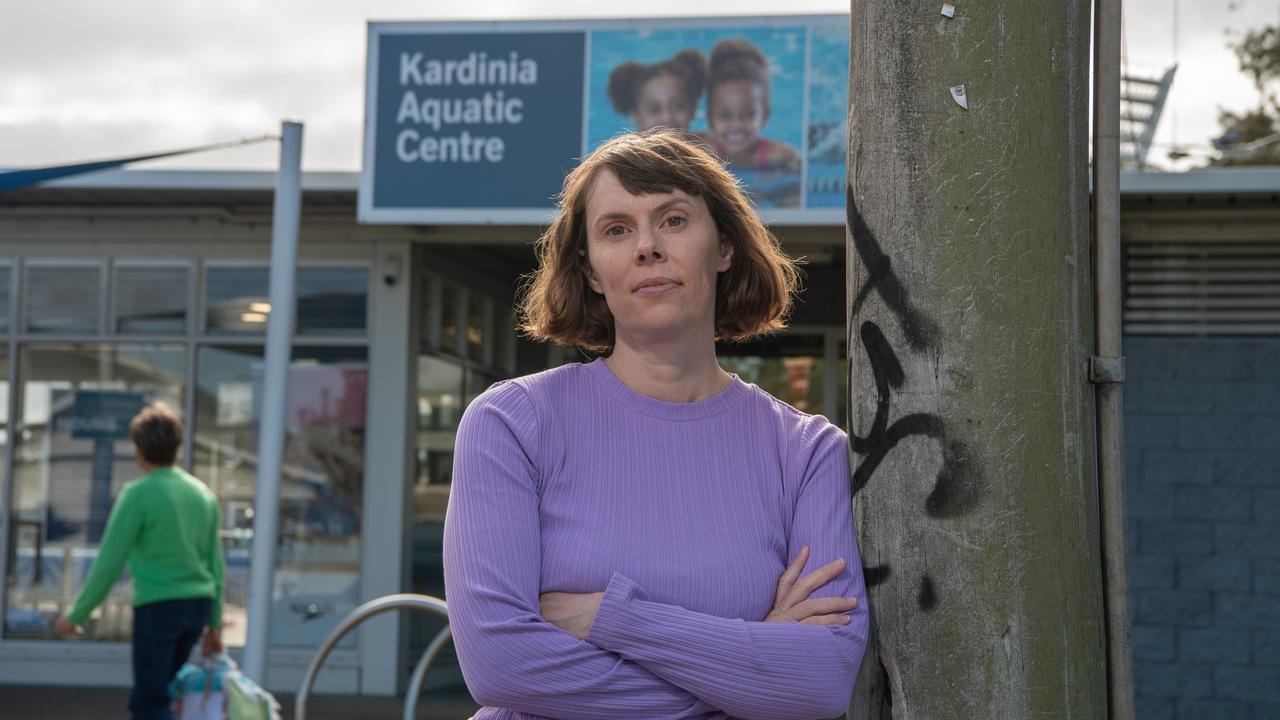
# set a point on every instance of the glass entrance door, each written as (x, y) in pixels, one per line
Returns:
(805, 369)
(445, 387)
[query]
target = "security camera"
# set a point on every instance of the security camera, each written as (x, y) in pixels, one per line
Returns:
(391, 267)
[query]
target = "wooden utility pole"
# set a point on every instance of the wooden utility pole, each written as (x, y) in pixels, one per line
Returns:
(971, 415)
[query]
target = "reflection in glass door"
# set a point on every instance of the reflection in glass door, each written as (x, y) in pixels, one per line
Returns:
(805, 369)
(467, 343)
(445, 388)
(72, 457)
(317, 562)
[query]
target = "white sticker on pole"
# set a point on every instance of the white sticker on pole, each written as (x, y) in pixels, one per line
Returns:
(958, 94)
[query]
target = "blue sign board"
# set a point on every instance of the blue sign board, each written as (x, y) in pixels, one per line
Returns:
(477, 123)
(469, 112)
(103, 414)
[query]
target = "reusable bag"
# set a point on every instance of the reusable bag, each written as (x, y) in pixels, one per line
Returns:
(247, 701)
(215, 689)
(198, 691)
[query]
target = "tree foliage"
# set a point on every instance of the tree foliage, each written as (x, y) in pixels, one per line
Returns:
(1259, 55)
(1258, 52)
(1247, 126)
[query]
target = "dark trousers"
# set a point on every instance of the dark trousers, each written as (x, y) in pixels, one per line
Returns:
(163, 635)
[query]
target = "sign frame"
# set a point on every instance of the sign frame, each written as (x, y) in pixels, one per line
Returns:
(368, 213)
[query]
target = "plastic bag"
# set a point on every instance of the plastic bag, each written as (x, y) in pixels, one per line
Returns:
(247, 701)
(198, 690)
(215, 689)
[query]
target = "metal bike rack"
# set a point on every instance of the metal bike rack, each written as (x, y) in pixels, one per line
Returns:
(401, 601)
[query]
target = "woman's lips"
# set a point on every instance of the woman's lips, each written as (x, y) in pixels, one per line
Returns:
(658, 289)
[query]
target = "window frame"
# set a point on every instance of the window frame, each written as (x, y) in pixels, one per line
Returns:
(118, 264)
(202, 326)
(100, 264)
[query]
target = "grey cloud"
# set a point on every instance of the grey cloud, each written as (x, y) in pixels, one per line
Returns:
(227, 68)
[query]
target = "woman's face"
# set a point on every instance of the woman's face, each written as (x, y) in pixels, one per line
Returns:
(655, 259)
(663, 101)
(737, 113)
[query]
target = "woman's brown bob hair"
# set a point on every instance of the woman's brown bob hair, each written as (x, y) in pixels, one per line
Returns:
(752, 297)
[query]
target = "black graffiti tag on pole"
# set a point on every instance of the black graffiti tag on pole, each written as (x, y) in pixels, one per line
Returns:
(922, 333)
(956, 489)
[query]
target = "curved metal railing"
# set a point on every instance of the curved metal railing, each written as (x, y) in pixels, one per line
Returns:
(400, 601)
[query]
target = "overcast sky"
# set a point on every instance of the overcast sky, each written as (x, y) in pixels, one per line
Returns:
(86, 79)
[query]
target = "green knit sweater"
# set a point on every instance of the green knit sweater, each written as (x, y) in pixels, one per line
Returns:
(166, 525)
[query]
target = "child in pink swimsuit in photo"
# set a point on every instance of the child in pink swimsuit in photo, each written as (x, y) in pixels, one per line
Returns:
(738, 108)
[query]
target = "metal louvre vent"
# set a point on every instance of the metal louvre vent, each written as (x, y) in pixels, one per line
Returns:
(1210, 286)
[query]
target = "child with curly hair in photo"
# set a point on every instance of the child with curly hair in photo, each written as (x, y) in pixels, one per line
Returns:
(664, 94)
(738, 109)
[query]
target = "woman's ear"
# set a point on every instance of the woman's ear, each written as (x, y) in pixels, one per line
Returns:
(726, 254)
(592, 281)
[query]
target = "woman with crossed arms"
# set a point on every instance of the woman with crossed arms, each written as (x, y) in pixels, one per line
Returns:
(629, 537)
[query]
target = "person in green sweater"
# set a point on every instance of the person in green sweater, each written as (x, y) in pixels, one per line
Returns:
(165, 524)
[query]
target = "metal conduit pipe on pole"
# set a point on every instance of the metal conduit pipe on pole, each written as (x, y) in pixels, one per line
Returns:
(266, 503)
(1107, 366)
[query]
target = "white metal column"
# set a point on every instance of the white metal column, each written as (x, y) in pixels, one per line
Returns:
(266, 504)
(389, 446)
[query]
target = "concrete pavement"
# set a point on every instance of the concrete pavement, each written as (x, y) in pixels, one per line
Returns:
(26, 702)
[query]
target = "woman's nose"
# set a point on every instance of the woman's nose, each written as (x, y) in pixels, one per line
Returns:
(647, 246)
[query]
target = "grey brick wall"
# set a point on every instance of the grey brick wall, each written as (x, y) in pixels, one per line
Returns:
(1202, 438)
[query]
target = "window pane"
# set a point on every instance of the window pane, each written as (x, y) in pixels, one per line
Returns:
(332, 301)
(444, 388)
(478, 382)
(504, 337)
(789, 367)
(151, 300)
(62, 299)
(317, 568)
(72, 457)
(477, 326)
(439, 393)
(428, 313)
(4, 298)
(450, 302)
(237, 300)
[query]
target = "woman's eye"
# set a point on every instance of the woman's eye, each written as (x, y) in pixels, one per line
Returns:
(614, 230)
(675, 221)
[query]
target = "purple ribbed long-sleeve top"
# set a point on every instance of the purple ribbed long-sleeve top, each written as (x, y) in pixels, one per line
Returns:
(684, 515)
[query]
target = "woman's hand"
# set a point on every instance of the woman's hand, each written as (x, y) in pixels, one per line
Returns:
(791, 602)
(572, 612)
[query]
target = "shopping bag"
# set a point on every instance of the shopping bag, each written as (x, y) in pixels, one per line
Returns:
(198, 690)
(215, 689)
(246, 700)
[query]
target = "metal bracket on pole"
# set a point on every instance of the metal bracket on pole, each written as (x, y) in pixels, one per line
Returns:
(1106, 370)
